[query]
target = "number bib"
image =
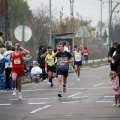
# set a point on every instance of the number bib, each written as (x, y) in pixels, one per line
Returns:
(17, 61)
(50, 60)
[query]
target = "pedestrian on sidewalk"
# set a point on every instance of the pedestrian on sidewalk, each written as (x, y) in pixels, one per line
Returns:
(110, 55)
(115, 87)
(17, 67)
(63, 60)
(116, 62)
(85, 54)
(8, 70)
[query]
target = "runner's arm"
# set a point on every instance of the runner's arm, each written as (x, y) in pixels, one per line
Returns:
(24, 51)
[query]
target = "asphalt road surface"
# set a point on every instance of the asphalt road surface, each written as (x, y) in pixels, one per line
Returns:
(91, 98)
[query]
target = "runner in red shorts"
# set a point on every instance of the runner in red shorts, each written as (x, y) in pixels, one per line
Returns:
(17, 67)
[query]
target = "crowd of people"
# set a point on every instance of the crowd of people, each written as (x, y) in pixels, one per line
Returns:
(48, 65)
(114, 59)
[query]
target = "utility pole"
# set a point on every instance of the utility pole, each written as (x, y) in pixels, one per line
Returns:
(50, 25)
(72, 15)
(101, 30)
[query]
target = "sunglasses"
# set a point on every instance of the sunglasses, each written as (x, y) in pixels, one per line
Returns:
(49, 50)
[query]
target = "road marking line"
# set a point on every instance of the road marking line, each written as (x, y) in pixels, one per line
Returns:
(74, 94)
(4, 104)
(80, 97)
(34, 111)
(109, 96)
(36, 103)
(72, 102)
(103, 101)
(98, 84)
(18, 99)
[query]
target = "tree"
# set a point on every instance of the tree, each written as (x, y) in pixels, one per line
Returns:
(19, 13)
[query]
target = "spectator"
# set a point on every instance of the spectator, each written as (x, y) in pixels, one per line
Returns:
(110, 54)
(86, 53)
(8, 70)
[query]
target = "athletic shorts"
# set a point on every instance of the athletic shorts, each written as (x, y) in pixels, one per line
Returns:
(51, 69)
(18, 71)
(64, 73)
(79, 63)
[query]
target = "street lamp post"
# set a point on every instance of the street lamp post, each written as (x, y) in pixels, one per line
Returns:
(110, 20)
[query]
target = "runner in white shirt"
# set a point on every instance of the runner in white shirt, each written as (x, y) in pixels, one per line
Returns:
(77, 62)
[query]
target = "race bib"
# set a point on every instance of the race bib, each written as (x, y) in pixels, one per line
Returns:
(17, 61)
(51, 60)
(62, 59)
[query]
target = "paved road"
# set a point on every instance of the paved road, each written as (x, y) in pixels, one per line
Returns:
(88, 99)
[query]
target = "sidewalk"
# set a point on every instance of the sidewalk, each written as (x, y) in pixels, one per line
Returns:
(97, 60)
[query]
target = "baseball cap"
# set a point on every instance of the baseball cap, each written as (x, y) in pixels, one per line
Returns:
(115, 42)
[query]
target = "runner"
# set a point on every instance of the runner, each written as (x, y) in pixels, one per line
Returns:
(63, 58)
(17, 67)
(77, 62)
(51, 69)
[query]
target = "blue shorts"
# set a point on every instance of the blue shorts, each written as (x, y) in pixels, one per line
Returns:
(79, 63)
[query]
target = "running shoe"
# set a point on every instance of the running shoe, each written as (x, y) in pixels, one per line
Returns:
(51, 85)
(59, 94)
(114, 105)
(78, 79)
(64, 89)
(14, 93)
(19, 96)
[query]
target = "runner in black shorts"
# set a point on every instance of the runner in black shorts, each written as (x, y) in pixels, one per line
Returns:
(63, 59)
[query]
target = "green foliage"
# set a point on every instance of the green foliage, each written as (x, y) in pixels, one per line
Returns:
(19, 12)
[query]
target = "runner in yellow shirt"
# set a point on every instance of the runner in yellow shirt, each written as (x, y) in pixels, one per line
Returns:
(51, 69)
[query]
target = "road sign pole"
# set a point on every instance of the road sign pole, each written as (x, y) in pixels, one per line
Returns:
(23, 35)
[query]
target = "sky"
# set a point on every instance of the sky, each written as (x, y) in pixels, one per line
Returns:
(88, 9)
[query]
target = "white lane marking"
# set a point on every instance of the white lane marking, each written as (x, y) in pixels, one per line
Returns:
(4, 104)
(18, 99)
(109, 96)
(36, 103)
(103, 101)
(80, 97)
(74, 94)
(67, 88)
(98, 84)
(72, 102)
(34, 111)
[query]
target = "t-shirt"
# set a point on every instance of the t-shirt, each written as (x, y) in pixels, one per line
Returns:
(63, 56)
(66, 49)
(7, 56)
(36, 71)
(50, 60)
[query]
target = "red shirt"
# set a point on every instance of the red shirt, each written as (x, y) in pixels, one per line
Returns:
(17, 60)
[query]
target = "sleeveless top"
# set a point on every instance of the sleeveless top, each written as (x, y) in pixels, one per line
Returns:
(17, 60)
(77, 56)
